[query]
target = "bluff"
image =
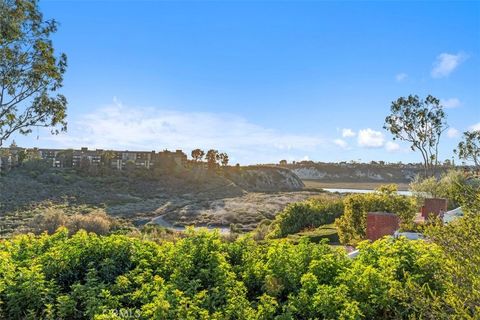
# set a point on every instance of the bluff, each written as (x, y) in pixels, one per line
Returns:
(266, 179)
(358, 172)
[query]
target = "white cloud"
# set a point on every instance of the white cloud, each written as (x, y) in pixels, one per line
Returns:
(348, 133)
(136, 128)
(341, 143)
(392, 146)
(453, 133)
(475, 127)
(446, 63)
(401, 77)
(369, 138)
(451, 103)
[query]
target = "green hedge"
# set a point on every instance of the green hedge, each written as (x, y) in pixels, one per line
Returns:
(200, 277)
(351, 225)
(328, 232)
(307, 214)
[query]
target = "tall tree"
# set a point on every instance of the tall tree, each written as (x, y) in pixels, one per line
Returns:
(212, 158)
(223, 159)
(469, 148)
(420, 122)
(198, 154)
(30, 71)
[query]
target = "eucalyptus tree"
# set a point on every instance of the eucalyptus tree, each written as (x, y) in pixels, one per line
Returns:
(421, 123)
(31, 73)
(197, 154)
(224, 159)
(212, 157)
(469, 148)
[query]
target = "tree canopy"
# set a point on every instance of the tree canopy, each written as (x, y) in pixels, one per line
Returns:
(86, 276)
(352, 224)
(420, 122)
(30, 71)
(469, 148)
(197, 154)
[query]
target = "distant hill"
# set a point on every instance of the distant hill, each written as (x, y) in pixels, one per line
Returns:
(358, 172)
(265, 178)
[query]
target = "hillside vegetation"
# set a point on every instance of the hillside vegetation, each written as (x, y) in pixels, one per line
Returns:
(182, 196)
(340, 219)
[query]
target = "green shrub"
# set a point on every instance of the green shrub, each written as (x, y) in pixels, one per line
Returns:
(262, 230)
(455, 185)
(325, 232)
(307, 214)
(36, 167)
(460, 241)
(351, 225)
(86, 276)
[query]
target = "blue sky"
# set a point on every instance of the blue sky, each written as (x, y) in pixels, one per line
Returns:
(262, 81)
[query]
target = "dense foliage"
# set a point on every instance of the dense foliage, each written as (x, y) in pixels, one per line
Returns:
(201, 277)
(30, 72)
(461, 243)
(469, 148)
(352, 224)
(457, 187)
(307, 214)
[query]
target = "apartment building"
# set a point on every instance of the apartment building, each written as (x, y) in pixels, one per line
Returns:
(120, 159)
(68, 158)
(9, 157)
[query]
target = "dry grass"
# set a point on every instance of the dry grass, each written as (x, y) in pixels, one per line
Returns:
(97, 221)
(51, 219)
(246, 210)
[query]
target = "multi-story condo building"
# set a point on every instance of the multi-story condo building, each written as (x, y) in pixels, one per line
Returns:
(65, 158)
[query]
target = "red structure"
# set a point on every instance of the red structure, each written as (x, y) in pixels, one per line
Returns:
(380, 224)
(433, 206)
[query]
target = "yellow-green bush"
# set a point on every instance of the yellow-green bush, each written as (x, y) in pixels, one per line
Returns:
(86, 276)
(351, 225)
(460, 241)
(311, 213)
(459, 188)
